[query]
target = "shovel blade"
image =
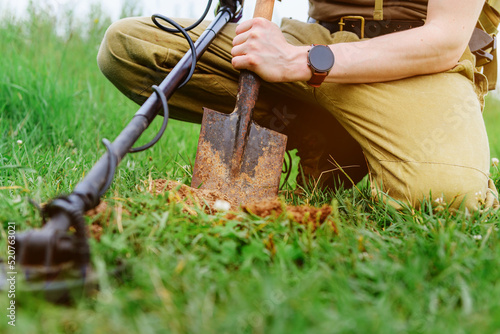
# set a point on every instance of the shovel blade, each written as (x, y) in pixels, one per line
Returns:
(261, 162)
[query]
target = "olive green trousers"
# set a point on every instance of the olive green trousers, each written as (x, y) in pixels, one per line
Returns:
(419, 139)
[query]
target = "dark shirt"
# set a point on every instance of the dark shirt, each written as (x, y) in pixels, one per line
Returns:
(330, 10)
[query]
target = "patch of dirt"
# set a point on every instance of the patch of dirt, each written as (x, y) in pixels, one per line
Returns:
(205, 199)
(101, 208)
(96, 231)
(265, 209)
(181, 193)
(102, 215)
(302, 214)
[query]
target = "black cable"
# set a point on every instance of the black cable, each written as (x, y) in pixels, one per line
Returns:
(194, 25)
(158, 91)
(183, 31)
(164, 103)
(112, 163)
(188, 38)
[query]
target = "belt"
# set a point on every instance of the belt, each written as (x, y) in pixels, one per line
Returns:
(369, 28)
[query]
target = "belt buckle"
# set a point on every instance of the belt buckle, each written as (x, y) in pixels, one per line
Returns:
(485, 55)
(361, 18)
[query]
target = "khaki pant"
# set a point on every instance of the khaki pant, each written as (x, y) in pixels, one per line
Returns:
(418, 138)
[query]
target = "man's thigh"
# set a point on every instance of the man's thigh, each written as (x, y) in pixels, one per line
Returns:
(422, 136)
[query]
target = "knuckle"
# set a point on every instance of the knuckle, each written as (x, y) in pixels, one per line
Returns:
(252, 61)
(258, 21)
(251, 45)
(253, 34)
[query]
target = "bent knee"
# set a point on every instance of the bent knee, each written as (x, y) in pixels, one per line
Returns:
(131, 58)
(456, 187)
(112, 47)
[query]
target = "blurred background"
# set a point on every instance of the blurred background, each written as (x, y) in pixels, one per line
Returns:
(173, 8)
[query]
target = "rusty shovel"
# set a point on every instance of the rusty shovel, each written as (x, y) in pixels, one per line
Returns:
(236, 156)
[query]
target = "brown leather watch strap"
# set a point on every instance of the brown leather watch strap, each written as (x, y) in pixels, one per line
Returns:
(317, 79)
(320, 60)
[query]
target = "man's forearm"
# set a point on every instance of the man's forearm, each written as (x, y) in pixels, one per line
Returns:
(435, 47)
(391, 57)
(385, 58)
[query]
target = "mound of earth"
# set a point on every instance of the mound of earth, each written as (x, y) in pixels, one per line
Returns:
(206, 199)
(302, 214)
(201, 198)
(210, 200)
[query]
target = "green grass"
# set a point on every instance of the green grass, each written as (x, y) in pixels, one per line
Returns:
(377, 271)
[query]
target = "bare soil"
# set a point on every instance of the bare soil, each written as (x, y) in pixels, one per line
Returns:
(205, 199)
(302, 214)
(201, 198)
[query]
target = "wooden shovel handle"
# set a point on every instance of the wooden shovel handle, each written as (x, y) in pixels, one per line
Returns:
(264, 8)
(250, 81)
(248, 90)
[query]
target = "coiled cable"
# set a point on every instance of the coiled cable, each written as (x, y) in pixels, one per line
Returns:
(112, 159)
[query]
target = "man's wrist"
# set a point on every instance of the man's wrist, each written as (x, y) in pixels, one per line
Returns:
(300, 71)
(320, 60)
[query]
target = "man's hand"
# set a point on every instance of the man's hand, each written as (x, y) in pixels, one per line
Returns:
(259, 46)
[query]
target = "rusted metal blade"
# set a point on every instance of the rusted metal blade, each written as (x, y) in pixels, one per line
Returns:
(259, 172)
(236, 156)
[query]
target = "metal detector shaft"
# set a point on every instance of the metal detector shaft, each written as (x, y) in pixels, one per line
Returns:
(49, 245)
(95, 179)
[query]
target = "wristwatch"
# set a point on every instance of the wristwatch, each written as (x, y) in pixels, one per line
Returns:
(320, 60)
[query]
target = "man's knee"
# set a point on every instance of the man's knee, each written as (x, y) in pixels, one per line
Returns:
(129, 58)
(457, 187)
(112, 47)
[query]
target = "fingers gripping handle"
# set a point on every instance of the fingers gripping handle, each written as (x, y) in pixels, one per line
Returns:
(248, 89)
(249, 80)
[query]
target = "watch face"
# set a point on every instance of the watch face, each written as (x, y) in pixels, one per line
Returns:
(321, 58)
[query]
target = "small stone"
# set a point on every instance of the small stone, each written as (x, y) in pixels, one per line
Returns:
(221, 205)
